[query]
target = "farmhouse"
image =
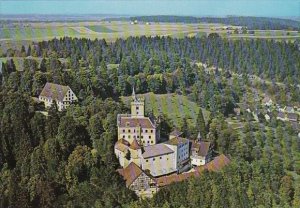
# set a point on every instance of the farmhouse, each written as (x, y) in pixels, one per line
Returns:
(62, 95)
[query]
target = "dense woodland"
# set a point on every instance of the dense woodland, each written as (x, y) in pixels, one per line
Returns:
(66, 159)
(252, 23)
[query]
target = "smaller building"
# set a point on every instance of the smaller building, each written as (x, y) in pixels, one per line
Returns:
(180, 146)
(292, 117)
(201, 153)
(267, 101)
(138, 180)
(281, 116)
(62, 95)
(128, 152)
(289, 109)
(267, 117)
(159, 159)
(237, 111)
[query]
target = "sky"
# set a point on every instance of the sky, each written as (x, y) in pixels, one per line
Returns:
(267, 8)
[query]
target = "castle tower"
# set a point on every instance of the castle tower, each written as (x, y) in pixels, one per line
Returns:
(137, 106)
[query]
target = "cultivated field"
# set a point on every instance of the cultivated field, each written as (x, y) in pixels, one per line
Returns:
(16, 34)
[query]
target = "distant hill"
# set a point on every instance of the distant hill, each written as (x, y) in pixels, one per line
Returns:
(258, 23)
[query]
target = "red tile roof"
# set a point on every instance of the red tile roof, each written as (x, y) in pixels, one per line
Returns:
(130, 173)
(135, 145)
(215, 165)
(54, 91)
(135, 122)
(121, 145)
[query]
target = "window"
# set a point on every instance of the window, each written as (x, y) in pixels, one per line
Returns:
(146, 131)
(137, 108)
(123, 136)
(160, 157)
(138, 136)
(128, 136)
(153, 159)
(151, 131)
(151, 142)
(144, 141)
(148, 142)
(149, 137)
(142, 137)
(146, 160)
(128, 130)
(123, 130)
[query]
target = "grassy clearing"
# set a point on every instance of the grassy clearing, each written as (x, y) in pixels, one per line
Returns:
(175, 107)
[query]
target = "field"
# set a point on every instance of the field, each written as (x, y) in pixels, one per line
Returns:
(175, 107)
(16, 34)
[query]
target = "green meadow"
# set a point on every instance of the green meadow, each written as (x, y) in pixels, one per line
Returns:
(175, 107)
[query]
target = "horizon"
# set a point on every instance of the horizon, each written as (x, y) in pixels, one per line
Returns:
(265, 8)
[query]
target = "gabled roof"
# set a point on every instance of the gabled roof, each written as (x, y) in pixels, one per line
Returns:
(266, 99)
(292, 116)
(135, 122)
(281, 115)
(130, 173)
(176, 133)
(54, 91)
(215, 165)
(202, 147)
(156, 150)
(289, 108)
(135, 145)
(176, 141)
(121, 145)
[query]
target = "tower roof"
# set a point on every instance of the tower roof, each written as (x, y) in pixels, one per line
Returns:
(133, 94)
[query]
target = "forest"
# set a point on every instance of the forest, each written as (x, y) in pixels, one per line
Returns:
(66, 159)
(252, 23)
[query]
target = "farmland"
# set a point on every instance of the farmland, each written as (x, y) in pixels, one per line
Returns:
(16, 34)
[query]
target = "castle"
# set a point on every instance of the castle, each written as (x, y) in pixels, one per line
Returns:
(144, 158)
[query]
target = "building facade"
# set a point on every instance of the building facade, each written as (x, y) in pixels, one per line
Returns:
(136, 125)
(159, 160)
(180, 146)
(52, 93)
(201, 153)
